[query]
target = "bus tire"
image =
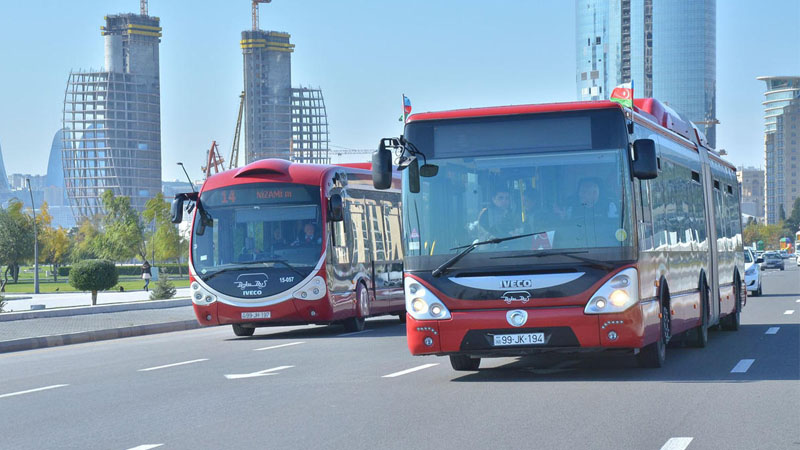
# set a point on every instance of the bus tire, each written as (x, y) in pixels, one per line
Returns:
(357, 323)
(654, 355)
(699, 336)
(732, 321)
(402, 317)
(243, 331)
(464, 362)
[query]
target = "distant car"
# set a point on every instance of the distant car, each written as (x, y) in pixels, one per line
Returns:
(772, 260)
(784, 254)
(752, 273)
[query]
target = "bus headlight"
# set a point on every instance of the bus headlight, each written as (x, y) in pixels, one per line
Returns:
(616, 295)
(422, 304)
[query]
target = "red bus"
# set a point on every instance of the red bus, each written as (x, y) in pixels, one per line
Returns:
(564, 227)
(277, 243)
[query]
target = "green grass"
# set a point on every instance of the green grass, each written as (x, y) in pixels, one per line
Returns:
(45, 286)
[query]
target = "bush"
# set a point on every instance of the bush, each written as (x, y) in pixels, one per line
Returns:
(164, 289)
(93, 275)
(136, 270)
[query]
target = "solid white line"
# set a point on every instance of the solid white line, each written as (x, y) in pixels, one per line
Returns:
(413, 369)
(742, 366)
(773, 330)
(172, 365)
(277, 346)
(33, 390)
(356, 332)
(788, 312)
(679, 443)
(146, 447)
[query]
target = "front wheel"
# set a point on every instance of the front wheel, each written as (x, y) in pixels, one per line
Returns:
(464, 362)
(243, 331)
(402, 317)
(655, 354)
(358, 322)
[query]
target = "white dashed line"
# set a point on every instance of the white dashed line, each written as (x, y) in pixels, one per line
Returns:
(262, 373)
(33, 390)
(407, 371)
(678, 443)
(788, 312)
(146, 447)
(277, 346)
(742, 366)
(172, 365)
(355, 332)
(797, 301)
(773, 330)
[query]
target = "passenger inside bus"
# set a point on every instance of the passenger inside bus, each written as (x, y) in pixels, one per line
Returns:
(309, 237)
(592, 218)
(278, 242)
(499, 220)
(250, 252)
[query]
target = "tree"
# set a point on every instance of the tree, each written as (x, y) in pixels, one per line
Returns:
(164, 289)
(84, 240)
(55, 249)
(792, 223)
(16, 238)
(123, 232)
(166, 240)
(93, 275)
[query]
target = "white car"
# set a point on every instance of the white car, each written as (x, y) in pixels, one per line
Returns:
(752, 273)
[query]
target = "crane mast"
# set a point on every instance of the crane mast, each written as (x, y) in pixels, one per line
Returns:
(143, 7)
(234, 161)
(255, 12)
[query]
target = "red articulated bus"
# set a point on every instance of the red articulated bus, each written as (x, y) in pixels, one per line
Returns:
(564, 227)
(277, 243)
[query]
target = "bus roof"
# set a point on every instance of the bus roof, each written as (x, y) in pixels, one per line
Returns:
(279, 170)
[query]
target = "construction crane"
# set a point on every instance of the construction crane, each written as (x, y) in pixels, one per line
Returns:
(143, 7)
(255, 12)
(234, 161)
(214, 161)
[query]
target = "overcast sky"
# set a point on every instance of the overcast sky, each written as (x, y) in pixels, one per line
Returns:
(364, 55)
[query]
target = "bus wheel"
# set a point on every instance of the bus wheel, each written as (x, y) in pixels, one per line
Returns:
(731, 321)
(357, 322)
(402, 317)
(464, 362)
(700, 333)
(243, 331)
(654, 355)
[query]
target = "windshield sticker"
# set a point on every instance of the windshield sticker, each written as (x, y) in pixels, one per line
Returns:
(251, 283)
(543, 241)
(203, 257)
(516, 296)
(621, 234)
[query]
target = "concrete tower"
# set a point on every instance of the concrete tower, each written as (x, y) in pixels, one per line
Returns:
(112, 119)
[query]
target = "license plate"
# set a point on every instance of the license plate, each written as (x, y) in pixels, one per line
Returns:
(256, 315)
(518, 339)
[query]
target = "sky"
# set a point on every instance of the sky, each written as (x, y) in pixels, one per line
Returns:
(364, 55)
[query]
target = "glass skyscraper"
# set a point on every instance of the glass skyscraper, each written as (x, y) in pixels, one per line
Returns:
(3, 176)
(668, 50)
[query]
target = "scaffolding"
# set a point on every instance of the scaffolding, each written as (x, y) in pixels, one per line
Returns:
(309, 127)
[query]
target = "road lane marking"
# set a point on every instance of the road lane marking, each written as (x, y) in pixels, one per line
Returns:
(146, 447)
(277, 346)
(679, 443)
(788, 312)
(773, 330)
(173, 365)
(407, 371)
(797, 301)
(742, 366)
(356, 332)
(262, 373)
(33, 390)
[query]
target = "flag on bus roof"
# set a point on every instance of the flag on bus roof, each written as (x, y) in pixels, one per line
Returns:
(406, 107)
(623, 94)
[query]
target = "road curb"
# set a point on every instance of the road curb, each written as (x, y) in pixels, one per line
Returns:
(98, 309)
(97, 335)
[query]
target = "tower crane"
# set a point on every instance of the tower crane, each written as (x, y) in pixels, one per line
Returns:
(255, 12)
(143, 7)
(214, 161)
(234, 161)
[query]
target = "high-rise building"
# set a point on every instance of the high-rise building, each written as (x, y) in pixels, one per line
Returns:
(751, 186)
(781, 149)
(667, 49)
(3, 175)
(112, 119)
(280, 121)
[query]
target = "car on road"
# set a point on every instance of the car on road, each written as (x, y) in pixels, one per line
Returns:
(772, 260)
(752, 273)
(784, 254)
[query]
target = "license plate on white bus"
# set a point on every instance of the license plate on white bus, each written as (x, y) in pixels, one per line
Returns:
(518, 339)
(256, 315)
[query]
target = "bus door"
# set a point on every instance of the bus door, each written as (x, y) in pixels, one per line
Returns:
(711, 220)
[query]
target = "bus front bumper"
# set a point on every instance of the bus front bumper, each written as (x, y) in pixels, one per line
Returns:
(564, 329)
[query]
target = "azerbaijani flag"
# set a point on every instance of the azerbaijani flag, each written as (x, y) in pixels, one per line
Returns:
(406, 107)
(623, 94)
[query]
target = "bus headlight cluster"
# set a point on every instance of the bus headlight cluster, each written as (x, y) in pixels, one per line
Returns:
(616, 295)
(422, 304)
(313, 290)
(201, 296)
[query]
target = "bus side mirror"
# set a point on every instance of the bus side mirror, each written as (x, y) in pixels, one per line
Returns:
(176, 211)
(645, 164)
(335, 208)
(382, 168)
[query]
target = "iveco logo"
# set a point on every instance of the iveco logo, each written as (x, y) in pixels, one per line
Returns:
(510, 284)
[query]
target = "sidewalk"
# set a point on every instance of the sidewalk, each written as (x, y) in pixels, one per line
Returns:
(69, 319)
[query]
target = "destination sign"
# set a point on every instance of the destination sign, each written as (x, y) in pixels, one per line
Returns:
(260, 193)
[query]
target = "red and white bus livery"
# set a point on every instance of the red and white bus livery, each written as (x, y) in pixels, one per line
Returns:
(276, 243)
(564, 227)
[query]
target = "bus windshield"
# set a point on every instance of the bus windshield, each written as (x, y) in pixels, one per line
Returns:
(572, 200)
(270, 226)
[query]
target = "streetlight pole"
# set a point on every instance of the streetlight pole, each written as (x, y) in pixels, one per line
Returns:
(35, 242)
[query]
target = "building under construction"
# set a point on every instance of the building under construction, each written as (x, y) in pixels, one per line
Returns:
(112, 119)
(280, 121)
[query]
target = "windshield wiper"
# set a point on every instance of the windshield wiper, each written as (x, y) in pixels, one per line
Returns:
(468, 248)
(572, 254)
(253, 263)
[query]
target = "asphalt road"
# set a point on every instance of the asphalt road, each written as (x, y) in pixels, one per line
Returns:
(316, 387)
